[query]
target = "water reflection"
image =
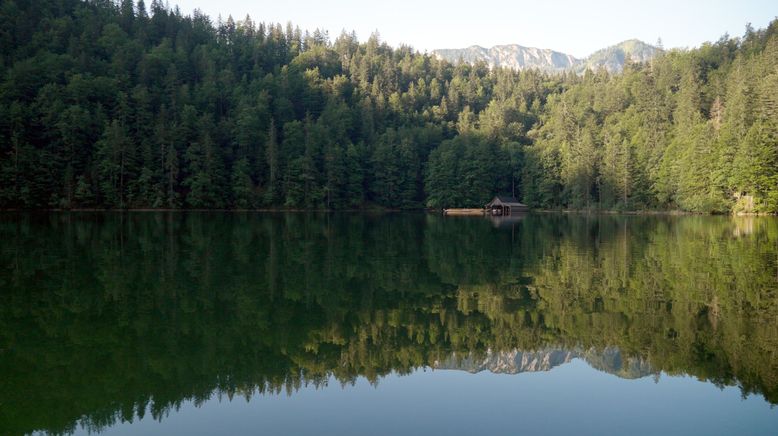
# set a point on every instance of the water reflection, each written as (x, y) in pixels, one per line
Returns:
(608, 360)
(104, 317)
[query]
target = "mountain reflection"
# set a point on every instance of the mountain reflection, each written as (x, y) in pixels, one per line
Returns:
(607, 360)
(104, 317)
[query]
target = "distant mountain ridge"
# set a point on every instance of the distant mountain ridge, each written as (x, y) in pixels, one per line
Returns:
(518, 57)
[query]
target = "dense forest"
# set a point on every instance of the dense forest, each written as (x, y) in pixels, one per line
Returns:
(116, 105)
(107, 317)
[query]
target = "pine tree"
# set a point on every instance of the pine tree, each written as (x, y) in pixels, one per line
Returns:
(274, 166)
(242, 186)
(111, 154)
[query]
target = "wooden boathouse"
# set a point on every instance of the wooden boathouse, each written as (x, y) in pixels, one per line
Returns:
(504, 205)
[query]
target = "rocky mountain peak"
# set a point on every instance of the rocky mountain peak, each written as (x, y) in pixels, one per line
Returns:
(518, 57)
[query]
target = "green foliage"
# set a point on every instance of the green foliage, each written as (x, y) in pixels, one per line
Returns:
(242, 186)
(112, 163)
(155, 109)
(465, 170)
(671, 134)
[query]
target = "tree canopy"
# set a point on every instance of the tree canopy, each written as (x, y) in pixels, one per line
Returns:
(107, 104)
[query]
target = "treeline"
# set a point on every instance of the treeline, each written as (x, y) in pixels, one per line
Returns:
(106, 104)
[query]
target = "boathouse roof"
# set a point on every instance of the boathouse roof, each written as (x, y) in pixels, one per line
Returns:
(504, 200)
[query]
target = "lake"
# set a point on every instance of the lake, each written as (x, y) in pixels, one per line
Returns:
(414, 324)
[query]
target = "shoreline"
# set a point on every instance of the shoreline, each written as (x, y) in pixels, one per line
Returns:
(389, 210)
(647, 212)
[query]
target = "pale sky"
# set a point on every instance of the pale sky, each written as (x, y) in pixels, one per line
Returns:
(574, 27)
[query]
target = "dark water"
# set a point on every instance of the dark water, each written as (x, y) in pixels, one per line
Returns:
(215, 323)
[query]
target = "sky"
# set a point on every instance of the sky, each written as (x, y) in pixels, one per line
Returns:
(574, 27)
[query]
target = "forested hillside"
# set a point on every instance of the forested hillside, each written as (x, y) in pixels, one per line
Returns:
(114, 105)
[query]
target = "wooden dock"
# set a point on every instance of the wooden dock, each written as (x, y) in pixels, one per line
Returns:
(463, 212)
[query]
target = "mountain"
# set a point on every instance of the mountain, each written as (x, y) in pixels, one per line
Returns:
(613, 57)
(518, 57)
(609, 360)
(512, 56)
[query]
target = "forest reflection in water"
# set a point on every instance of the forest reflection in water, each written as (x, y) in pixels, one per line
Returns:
(107, 316)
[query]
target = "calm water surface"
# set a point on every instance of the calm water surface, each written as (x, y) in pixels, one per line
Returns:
(348, 324)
